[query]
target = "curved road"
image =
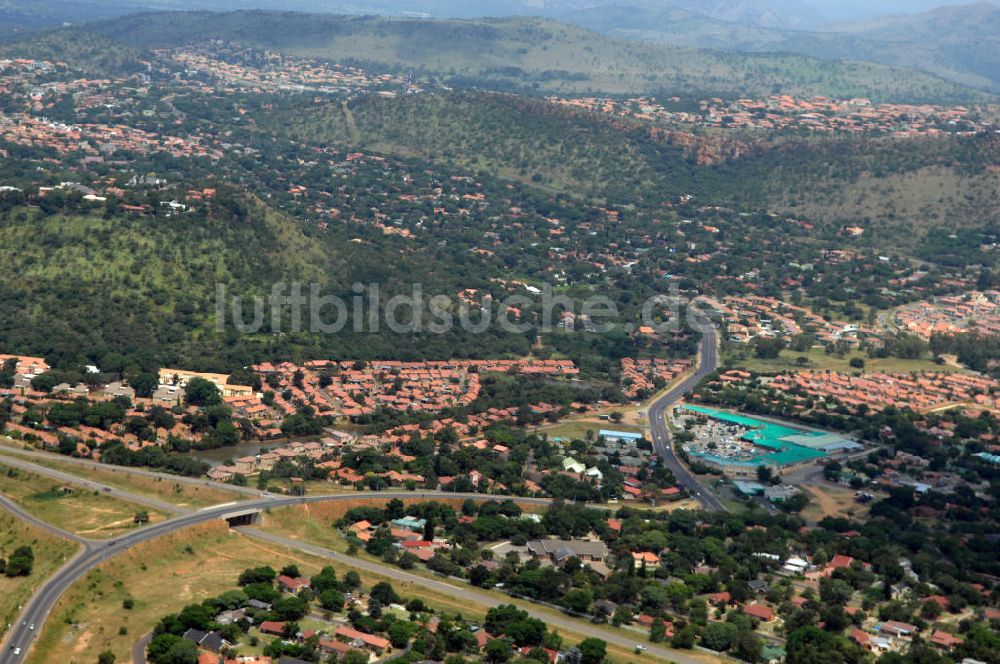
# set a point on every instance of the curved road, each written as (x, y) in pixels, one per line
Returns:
(708, 362)
(128, 470)
(69, 478)
(27, 517)
(94, 553)
(44, 600)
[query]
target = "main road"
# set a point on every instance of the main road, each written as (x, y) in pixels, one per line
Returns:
(69, 478)
(708, 362)
(39, 607)
(95, 553)
(554, 619)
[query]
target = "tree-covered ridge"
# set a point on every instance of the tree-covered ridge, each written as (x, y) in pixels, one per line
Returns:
(442, 220)
(86, 51)
(532, 54)
(132, 285)
(837, 179)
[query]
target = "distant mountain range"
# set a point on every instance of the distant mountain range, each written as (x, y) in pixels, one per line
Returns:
(960, 43)
(785, 14)
(533, 55)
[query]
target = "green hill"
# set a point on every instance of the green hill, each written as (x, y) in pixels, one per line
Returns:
(961, 43)
(81, 288)
(531, 54)
(85, 51)
(830, 178)
(140, 285)
(666, 23)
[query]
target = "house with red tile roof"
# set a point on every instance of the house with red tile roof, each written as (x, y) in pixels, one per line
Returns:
(719, 599)
(353, 637)
(861, 638)
(293, 585)
(331, 646)
(759, 611)
(945, 639)
(273, 628)
(646, 559)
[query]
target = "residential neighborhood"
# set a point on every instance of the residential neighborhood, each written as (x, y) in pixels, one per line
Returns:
(516, 332)
(817, 114)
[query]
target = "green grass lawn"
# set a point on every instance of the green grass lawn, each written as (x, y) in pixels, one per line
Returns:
(817, 358)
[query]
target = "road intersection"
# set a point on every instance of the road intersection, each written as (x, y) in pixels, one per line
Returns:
(96, 552)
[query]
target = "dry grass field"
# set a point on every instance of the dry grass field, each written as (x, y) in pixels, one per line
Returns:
(828, 500)
(81, 511)
(195, 564)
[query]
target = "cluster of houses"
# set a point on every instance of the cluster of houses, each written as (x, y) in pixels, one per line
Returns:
(909, 470)
(803, 573)
(25, 368)
(239, 69)
(327, 455)
(246, 466)
(457, 196)
(823, 114)
(409, 534)
(641, 375)
(96, 139)
(876, 635)
(819, 114)
(920, 391)
(344, 389)
(750, 316)
(181, 377)
(337, 640)
(975, 311)
(169, 393)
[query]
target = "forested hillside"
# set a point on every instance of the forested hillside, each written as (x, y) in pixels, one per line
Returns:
(893, 182)
(144, 287)
(135, 285)
(530, 54)
(957, 43)
(87, 51)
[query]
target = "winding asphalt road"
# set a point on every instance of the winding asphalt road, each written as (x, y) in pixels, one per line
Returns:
(96, 552)
(69, 478)
(44, 600)
(6, 451)
(708, 362)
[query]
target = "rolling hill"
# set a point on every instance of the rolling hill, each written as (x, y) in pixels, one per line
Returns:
(127, 285)
(830, 179)
(533, 55)
(88, 52)
(960, 43)
(668, 23)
